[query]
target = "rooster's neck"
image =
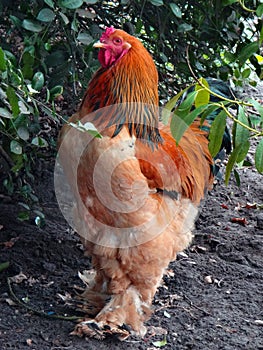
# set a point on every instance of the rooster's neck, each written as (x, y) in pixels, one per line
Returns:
(129, 90)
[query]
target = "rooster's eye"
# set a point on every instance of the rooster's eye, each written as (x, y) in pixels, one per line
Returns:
(117, 41)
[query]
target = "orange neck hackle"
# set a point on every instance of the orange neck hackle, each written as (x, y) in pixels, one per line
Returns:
(131, 81)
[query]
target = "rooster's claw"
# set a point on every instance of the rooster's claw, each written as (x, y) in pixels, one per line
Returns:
(91, 328)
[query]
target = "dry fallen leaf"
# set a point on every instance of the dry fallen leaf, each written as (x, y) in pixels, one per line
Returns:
(18, 278)
(251, 205)
(241, 221)
(9, 244)
(10, 302)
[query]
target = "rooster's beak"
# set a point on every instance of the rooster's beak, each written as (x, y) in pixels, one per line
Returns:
(99, 45)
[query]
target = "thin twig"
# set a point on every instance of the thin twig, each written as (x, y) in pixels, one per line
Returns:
(256, 133)
(37, 312)
(209, 90)
(196, 307)
(242, 4)
(189, 65)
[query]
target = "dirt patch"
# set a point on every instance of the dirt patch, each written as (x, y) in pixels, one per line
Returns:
(210, 299)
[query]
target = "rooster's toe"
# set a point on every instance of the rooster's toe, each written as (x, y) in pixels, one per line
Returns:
(100, 330)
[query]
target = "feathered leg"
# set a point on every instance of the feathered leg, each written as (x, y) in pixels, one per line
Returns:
(131, 280)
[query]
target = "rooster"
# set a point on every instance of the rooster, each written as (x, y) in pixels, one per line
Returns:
(137, 190)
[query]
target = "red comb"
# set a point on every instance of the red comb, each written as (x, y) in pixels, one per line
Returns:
(107, 33)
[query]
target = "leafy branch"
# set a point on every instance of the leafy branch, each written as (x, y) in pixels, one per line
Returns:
(255, 131)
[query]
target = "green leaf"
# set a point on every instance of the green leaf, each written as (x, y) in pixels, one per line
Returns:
(71, 4)
(17, 22)
(180, 122)
(176, 10)
(259, 157)
(243, 151)
(23, 133)
(210, 108)
(13, 100)
(203, 96)
(90, 128)
(184, 27)
(24, 108)
(259, 10)
(15, 147)
(2, 60)
(87, 127)
(95, 1)
(38, 81)
(5, 113)
(23, 216)
(46, 15)
(247, 51)
(20, 120)
(16, 79)
(4, 266)
(257, 106)
(255, 120)
(55, 92)
(64, 18)
(24, 205)
(229, 56)
(160, 343)
(216, 133)
(28, 62)
(246, 73)
(241, 134)
(156, 2)
(187, 104)
(32, 26)
(166, 111)
(85, 38)
(231, 162)
(39, 141)
(50, 3)
(74, 25)
(237, 177)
